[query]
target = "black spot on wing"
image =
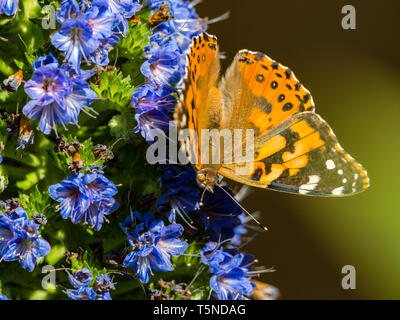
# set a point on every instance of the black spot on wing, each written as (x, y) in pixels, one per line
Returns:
(256, 176)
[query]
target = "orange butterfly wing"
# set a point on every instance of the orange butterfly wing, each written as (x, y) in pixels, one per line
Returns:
(200, 105)
(263, 90)
(294, 150)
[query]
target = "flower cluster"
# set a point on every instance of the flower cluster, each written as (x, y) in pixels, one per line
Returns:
(90, 29)
(86, 198)
(152, 244)
(165, 66)
(20, 239)
(81, 281)
(8, 7)
(58, 93)
(232, 277)
(185, 216)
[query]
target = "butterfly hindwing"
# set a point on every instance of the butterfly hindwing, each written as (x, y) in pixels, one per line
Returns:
(302, 155)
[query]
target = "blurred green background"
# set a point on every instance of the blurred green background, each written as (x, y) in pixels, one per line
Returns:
(354, 77)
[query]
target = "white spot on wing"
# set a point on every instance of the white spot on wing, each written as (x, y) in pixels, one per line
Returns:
(330, 164)
(340, 172)
(344, 180)
(338, 191)
(310, 185)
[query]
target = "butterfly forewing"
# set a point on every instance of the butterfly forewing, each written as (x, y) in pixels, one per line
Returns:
(200, 105)
(260, 93)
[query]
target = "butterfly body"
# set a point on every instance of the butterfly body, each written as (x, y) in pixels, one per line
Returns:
(292, 149)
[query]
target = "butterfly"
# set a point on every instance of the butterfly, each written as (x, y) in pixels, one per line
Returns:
(26, 135)
(162, 14)
(294, 150)
(12, 83)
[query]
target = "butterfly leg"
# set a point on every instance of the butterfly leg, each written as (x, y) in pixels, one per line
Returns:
(206, 178)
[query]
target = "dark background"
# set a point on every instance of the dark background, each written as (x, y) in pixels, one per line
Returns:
(354, 77)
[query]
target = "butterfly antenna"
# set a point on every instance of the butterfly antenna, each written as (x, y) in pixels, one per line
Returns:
(248, 213)
(202, 197)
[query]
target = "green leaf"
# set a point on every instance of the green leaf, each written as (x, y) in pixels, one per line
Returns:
(19, 64)
(36, 202)
(116, 88)
(137, 37)
(75, 264)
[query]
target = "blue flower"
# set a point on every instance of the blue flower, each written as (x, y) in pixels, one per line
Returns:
(181, 193)
(49, 61)
(150, 122)
(163, 66)
(83, 293)
(8, 7)
(7, 233)
(220, 214)
(232, 281)
(100, 18)
(153, 104)
(81, 281)
(3, 297)
(100, 55)
(58, 94)
(69, 9)
(89, 30)
(103, 285)
(153, 245)
(99, 186)
(16, 213)
(213, 255)
(127, 8)
(76, 39)
(94, 216)
(81, 278)
(85, 198)
(22, 242)
(74, 198)
(149, 97)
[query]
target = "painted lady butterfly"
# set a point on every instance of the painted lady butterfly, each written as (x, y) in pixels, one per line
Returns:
(294, 149)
